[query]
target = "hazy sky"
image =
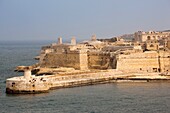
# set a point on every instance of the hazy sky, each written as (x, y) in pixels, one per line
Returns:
(49, 19)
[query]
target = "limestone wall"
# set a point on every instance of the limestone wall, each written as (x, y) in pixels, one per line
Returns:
(148, 62)
(98, 60)
(64, 60)
(83, 61)
(138, 64)
(165, 61)
(168, 44)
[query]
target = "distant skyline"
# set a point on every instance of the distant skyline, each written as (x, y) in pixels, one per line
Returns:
(49, 19)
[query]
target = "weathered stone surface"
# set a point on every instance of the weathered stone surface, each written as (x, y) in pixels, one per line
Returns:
(92, 62)
(40, 84)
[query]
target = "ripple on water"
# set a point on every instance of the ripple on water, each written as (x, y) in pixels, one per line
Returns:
(104, 98)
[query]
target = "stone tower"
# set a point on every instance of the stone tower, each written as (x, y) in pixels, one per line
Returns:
(59, 40)
(73, 41)
(93, 38)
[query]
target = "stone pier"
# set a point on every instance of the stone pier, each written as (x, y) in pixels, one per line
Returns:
(39, 84)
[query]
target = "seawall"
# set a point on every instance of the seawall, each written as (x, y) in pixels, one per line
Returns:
(40, 84)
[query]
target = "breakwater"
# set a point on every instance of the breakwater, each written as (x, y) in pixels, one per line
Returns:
(39, 84)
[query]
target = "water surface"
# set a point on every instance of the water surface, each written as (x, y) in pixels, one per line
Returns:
(103, 98)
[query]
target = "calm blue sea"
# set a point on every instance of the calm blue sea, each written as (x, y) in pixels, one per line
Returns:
(103, 98)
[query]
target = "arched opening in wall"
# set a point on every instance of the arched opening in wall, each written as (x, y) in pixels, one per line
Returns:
(154, 69)
(148, 38)
(159, 70)
(151, 45)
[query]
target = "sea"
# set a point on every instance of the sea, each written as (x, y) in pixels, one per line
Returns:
(140, 97)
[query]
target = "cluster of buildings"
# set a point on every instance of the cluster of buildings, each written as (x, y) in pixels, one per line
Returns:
(148, 52)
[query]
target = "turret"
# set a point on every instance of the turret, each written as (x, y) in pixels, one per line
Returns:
(93, 38)
(73, 41)
(59, 40)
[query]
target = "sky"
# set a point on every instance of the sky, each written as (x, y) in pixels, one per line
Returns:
(24, 20)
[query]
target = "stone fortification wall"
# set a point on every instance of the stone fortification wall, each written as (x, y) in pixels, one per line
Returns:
(136, 62)
(77, 60)
(63, 55)
(150, 61)
(98, 60)
(164, 61)
(70, 56)
(168, 44)
(83, 58)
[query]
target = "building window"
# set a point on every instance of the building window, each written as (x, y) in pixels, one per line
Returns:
(159, 69)
(154, 69)
(148, 38)
(151, 45)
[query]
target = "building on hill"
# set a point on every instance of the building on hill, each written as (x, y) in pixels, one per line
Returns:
(144, 56)
(148, 61)
(141, 36)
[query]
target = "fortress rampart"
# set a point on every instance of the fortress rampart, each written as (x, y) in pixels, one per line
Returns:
(91, 62)
(149, 61)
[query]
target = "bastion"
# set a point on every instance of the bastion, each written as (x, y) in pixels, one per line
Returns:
(90, 62)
